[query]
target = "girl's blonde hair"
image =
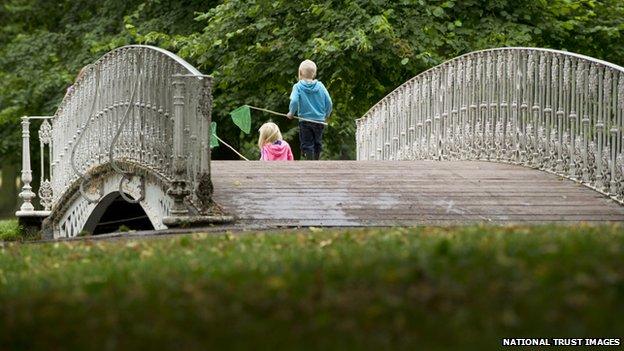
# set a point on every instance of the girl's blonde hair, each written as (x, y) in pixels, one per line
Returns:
(269, 133)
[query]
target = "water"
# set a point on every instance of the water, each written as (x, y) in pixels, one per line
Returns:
(9, 188)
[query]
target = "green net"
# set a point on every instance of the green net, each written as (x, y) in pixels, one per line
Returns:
(242, 118)
(214, 142)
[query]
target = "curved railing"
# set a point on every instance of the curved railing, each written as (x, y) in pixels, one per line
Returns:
(547, 109)
(135, 105)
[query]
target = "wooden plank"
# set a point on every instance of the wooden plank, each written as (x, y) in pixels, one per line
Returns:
(255, 223)
(365, 199)
(340, 192)
(337, 193)
(371, 213)
(374, 209)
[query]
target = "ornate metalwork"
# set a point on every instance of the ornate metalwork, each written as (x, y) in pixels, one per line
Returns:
(45, 132)
(123, 115)
(122, 109)
(45, 195)
(27, 195)
(541, 108)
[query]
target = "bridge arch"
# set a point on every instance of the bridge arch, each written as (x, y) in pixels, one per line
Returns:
(112, 211)
(75, 213)
(553, 110)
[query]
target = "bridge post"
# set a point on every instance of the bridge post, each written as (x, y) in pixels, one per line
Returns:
(27, 194)
(613, 154)
(181, 215)
(178, 190)
(207, 118)
(584, 152)
(204, 188)
(598, 157)
(572, 147)
(29, 218)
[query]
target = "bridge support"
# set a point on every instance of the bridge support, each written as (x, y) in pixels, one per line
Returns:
(27, 194)
(28, 218)
(178, 190)
(180, 216)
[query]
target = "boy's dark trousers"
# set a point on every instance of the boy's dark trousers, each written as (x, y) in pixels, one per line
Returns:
(311, 138)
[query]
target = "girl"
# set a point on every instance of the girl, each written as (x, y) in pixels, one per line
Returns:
(272, 147)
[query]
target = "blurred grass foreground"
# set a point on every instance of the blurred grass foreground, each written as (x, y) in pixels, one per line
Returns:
(432, 288)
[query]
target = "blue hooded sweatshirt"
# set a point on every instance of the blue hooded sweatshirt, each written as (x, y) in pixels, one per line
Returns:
(310, 100)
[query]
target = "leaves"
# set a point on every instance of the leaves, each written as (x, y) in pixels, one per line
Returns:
(363, 49)
(44, 44)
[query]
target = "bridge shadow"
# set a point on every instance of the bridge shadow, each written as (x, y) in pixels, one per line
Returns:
(113, 214)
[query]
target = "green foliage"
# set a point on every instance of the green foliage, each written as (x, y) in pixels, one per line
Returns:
(420, 288)
(363, 48)
(44, 44)
(10, 230)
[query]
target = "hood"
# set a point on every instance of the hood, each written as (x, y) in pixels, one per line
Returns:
(310, 87)
(277, 149)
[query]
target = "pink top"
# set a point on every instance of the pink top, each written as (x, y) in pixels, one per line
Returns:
(278, 151)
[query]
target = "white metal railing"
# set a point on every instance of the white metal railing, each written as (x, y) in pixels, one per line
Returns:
(548, 109)
(136, 105)
(45, 191)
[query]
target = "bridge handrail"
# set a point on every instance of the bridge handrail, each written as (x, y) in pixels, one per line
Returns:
(472, 53)
(165, 128)
(548, 109)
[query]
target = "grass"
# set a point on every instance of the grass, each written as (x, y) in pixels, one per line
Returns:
(9, 230)
(426, 288)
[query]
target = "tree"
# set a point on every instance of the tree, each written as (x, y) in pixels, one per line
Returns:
(364, 48)
(43, 45)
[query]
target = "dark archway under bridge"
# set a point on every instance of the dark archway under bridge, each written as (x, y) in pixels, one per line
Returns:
(402, 193)
(113, 212)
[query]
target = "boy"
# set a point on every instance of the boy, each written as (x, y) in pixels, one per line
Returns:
(309, 99)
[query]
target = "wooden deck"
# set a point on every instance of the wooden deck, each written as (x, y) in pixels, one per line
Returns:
(387, 193)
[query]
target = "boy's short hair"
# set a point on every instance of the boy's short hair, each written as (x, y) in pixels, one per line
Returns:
(307, 69)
